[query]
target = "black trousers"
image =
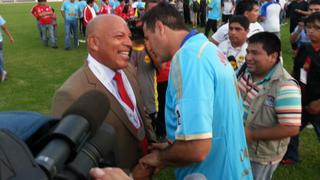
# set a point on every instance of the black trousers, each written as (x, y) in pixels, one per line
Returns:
(186, 13)
(212, 23)
(82, 29)
(292, 152)
(225, 18)
(203, 16)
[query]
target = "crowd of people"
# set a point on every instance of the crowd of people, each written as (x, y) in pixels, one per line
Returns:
(187, 101)
(212, 107)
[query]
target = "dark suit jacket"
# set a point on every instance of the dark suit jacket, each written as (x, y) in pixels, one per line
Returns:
(83, 81)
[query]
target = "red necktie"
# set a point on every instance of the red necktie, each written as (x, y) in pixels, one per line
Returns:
(122, 91)
(125, 98)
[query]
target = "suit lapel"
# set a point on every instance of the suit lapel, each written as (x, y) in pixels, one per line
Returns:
(115, 105)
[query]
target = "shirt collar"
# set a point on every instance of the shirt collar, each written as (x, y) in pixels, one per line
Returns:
(237, 48)
(188, 36)
(266, 78)
(103, 70)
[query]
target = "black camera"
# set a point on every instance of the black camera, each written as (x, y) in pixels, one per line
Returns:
(135, 26)
(69, 148)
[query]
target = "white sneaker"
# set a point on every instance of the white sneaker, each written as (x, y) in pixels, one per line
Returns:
(4, 76)
(82, 40)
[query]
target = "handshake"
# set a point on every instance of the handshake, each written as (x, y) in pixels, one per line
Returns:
(148, 165)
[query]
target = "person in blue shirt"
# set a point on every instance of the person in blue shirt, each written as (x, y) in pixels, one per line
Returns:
(3, 73)
(114, 4)
(82, 5)
(95, 6)
(70, 13)
(203, 111)
(214, 15)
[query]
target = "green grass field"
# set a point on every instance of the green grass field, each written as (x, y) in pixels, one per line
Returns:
(35, 72)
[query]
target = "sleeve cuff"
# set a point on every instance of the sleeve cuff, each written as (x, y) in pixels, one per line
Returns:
(194, 136)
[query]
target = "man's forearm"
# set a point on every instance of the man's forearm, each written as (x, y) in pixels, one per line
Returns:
(183, 153)
(273, 133)
(294, 36)
(304, 13)
(5, 29)
(63, 15)
(213, 41)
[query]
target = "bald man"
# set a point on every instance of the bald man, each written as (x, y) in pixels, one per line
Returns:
(107, 70)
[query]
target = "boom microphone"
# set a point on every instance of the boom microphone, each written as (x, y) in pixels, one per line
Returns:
(233, 62)
(100, 150)
(80, 120)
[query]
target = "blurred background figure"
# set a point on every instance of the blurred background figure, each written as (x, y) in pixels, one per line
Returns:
(3, 73)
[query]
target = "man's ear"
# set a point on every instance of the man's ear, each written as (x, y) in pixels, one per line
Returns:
(246, 13)
(274, 57)
(93, 43)
(159, 26)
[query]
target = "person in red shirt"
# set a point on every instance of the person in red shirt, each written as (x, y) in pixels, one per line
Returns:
(125, 11)
(128, 12)
(162, 83)
(34, 12)
(105, 7)
(119, 9)
(44, 14)
(88, 13)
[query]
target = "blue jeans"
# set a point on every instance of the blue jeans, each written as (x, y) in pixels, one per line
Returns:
(39, 29)
(45, 28)
(71, 26)
(1, 59)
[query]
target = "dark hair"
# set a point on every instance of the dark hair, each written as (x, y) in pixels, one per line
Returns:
(89, 1)
(313, 18)
(244, 6)
(314, 2)
(242, 20)
(165, 13)
(135, 27)
(125, 9)
(270, 42)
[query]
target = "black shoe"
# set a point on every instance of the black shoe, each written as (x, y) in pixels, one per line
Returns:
(54, 47)
(67, 49)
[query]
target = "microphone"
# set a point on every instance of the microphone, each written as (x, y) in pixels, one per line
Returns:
(99, 151)
(79, 121)
(233, 62)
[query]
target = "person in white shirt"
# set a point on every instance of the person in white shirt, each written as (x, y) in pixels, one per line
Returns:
(235, 47)
(283, 4)
(270, 17)
(250, 9)
(227, 10)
